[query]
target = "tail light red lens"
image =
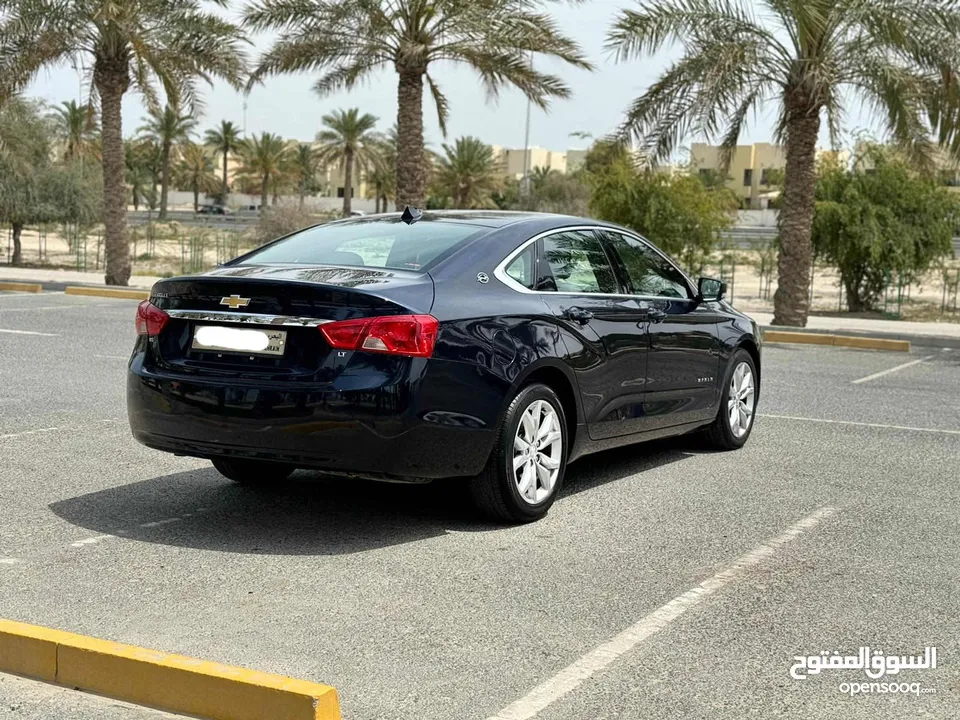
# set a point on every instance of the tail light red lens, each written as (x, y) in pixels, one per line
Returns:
(150, 319)
(411, 335)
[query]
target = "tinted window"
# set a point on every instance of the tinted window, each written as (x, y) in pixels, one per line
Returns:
(577, 263)
(523, 266)
(648, 272)
(376, 243)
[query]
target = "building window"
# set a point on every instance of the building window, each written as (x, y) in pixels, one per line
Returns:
(748, 177)
(765, 176)
(341, 192)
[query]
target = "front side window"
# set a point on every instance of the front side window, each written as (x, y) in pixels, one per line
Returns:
(366, 243)
(575, 262)
(647, 271)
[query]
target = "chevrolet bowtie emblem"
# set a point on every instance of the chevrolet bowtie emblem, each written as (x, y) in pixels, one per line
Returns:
(235, 301)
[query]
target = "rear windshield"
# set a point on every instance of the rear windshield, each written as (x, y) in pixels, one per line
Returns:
(375, 243)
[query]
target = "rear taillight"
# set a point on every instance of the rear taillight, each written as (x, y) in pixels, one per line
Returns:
(150, 319)
(411, 335)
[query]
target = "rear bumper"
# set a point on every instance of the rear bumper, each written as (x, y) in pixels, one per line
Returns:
(403, 430)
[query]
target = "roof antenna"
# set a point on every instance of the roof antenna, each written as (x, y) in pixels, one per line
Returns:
(411, 215)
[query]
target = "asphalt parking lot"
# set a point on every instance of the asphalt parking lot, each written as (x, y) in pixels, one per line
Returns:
(838, 526)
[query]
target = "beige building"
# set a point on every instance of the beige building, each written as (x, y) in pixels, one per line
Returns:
(948, 169)
(750, 174)
(514, 162)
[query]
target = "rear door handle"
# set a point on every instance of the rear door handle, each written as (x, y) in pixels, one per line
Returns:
(578, 315)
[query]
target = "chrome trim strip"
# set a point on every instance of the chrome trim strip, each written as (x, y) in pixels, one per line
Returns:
(501, 270)
(246, 318)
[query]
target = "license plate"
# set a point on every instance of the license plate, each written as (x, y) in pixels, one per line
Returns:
(216, 338)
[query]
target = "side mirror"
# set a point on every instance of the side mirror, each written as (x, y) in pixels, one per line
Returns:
(711, 290)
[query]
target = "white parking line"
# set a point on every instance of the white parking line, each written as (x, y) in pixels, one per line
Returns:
(90, 541)
(112, 357)
(38, 431)
(598, 659)
(868, 378)
(10, 561)
(863, 424)
(29, 332)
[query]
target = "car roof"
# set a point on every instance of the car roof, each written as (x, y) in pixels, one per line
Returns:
(483, 218)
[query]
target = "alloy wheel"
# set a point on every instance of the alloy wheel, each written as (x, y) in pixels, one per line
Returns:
(537, 452)
(741, 399)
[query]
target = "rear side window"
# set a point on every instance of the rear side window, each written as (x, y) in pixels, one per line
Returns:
(578, 264)
(376, 243)
(523, 267)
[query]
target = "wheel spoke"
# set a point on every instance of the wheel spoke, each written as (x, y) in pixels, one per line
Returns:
(519, 444)
(519, 461)
(735, 420)
(527, 478)
(546, 478)
(545, 427)
(549, 462)
(529, 422)
(550, 439)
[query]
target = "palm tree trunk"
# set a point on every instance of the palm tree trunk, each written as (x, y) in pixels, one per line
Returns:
(225, 188)
(196, 198)
(112, 82)
(791, 302)
(376, 195)
(347, 181)
(17, 256)
(263, 192)
(302, 190)
(411, 164)
(164, 180)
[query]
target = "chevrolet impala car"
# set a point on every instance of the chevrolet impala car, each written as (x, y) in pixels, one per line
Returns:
(490, 346)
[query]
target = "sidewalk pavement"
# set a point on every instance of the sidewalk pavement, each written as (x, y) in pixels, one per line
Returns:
(51, 276)
(936, 334)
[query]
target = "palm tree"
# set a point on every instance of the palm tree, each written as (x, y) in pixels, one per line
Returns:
(347, 41)
(810, 57)
(139, 159)
(304, 164)
(75, 125)
(197, 172)
(468, 173)
(167, 127)
(348, 140)
(264, 159)
(383, 176)
(138, 43)
(224, 140)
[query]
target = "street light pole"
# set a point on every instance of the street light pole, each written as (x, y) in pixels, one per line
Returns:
(525, 182)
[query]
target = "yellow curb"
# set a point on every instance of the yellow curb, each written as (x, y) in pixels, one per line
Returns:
(109, 292)
(21, 287)
(168, 682)
(781, 336)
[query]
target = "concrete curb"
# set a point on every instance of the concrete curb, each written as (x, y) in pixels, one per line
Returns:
(21, 287)
(810, 338)
(923, 340)
(121, 293)
(168, 682)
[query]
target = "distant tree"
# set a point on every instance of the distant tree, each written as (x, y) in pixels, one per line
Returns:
(145, 44)
(677, 212)
(889, 221)
(75, 129)
(304, 166)
(468, 174)
(810, 59)
(196, 172)
(141, 161)
(167, 128)
(263, 159)
(348, 141)
(32, 188)
(347, 41)
(383, 176)
(224, 140)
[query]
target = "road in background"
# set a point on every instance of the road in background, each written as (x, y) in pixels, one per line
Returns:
(413, 608)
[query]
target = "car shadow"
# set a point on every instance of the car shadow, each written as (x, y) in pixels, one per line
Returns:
(317, 514)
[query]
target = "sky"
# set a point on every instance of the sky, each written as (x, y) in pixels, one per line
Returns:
(287, 105)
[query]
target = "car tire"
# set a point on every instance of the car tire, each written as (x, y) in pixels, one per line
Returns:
(521, 479)
(257, 473)
(725, 433)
